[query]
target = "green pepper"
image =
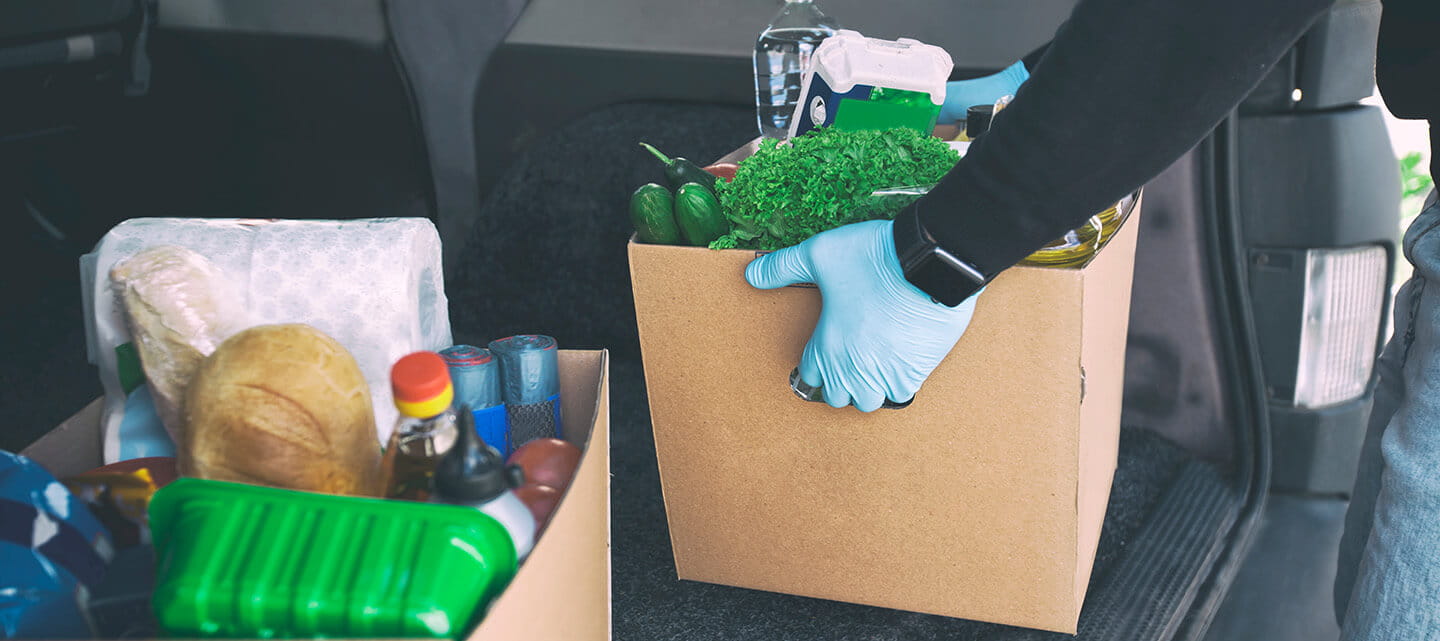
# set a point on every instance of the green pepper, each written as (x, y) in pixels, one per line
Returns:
(679, 171)
(652, 211)
(698, 213)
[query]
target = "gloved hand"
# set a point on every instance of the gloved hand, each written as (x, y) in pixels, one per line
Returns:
(962, 94)
(879, 336)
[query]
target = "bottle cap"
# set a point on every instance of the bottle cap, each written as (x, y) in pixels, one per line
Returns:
(977, 120)
(473, 472)
(421, 384)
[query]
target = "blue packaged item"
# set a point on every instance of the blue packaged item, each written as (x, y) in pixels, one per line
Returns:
(476, 377)
(53, 552)
(854, 83)
(530, 383)
(142, 434)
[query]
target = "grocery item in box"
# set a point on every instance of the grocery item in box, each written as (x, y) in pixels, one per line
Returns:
(283, 406)
(541, 500)
(856, 83)
(475, 373)
(119, 499)
(426, 429)
(52, 552)
(548, 461)
(530, 380)
(243, 561)
(178, 307)
(473, 474)
(375, 286)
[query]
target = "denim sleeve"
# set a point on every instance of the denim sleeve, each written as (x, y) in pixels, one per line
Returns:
(1396, 591)
(1389, 391)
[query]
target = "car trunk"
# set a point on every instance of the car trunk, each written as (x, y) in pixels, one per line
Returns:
(556, 117)
(559, 158)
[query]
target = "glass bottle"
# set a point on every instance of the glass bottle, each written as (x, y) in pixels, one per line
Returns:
(426, 429)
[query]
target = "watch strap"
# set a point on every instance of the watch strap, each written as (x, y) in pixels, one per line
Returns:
(949, 280)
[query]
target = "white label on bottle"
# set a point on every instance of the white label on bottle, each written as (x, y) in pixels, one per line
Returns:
(817, 110)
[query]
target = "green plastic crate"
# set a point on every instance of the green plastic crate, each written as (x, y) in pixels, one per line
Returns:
(239, 560)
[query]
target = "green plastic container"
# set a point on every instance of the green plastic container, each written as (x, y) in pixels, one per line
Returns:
(239, 560)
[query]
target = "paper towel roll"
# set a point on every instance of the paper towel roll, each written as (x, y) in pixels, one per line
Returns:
(375, 285)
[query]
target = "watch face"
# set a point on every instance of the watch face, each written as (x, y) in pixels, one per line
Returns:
(948, 280)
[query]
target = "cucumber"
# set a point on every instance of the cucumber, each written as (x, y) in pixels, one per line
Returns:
(652, 211)
(698, 213)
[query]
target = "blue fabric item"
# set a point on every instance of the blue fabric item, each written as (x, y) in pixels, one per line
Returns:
(50, 545)
(878, 336)
(985, 90)
(62, 543)
(141, 432)
(1387, 583)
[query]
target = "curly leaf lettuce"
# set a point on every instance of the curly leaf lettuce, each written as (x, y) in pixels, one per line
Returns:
(785, 194)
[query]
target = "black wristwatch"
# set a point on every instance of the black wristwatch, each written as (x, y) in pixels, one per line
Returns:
(948, 279)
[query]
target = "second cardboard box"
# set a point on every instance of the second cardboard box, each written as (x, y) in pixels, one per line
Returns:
(982, 500)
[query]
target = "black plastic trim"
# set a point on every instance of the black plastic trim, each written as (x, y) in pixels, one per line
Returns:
(1253, 448)
(422, 161)
(1167, 561)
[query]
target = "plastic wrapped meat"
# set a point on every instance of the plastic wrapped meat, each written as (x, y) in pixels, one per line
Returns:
(179, 308)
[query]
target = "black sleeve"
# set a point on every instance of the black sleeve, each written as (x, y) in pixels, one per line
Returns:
(1407, 58)
(1032, 59)
(1125, 88)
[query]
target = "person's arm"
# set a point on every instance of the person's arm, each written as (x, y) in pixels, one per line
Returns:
(1032, 59)
(1124, 89)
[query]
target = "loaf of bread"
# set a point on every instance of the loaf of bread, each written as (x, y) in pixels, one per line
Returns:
(179, 307)
(284, 406)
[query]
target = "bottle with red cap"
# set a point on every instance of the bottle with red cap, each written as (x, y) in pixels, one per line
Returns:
(426, 429)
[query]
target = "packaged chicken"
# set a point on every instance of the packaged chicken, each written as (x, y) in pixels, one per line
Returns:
(179, 308)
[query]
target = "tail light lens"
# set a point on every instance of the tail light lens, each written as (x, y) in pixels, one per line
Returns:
(1344, 296)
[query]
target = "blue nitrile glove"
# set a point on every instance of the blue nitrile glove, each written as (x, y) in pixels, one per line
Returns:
(879, 336)
(963, 94)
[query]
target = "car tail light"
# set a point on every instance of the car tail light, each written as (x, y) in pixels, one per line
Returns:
(1344, 296)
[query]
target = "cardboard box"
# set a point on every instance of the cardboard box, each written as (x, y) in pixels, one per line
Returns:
(562, 592)
(982, 500)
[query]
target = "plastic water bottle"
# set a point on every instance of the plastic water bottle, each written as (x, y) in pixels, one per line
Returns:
(781, 55)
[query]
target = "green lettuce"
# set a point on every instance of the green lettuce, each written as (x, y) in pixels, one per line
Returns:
(787, 193)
